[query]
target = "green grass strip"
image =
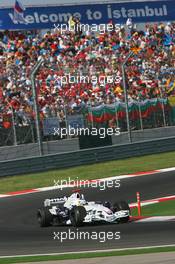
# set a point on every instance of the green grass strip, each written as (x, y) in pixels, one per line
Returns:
(99, 170)
(87, 255)
(166, 208)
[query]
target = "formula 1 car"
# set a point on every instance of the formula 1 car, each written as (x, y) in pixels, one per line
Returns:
(75, 210)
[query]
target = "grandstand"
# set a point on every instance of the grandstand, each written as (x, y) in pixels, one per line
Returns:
(99, 54)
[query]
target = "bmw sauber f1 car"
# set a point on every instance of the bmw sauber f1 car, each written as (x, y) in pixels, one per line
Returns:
(75, 210)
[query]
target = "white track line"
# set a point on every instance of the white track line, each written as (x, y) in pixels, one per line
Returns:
(93, 251)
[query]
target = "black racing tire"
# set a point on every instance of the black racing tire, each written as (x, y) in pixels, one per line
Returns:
(107, 204)
(44, 217)
(122, 205)
(77, 215)
(124, 220)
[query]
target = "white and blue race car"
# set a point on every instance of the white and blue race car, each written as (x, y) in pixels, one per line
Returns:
(75, 210)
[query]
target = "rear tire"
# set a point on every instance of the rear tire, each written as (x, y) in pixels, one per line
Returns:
(44, 217)
(77, 215)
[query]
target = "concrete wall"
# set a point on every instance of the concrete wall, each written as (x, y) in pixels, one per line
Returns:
(68, 145)
(84, 157)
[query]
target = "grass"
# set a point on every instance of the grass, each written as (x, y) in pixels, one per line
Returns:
(166, 208)
(99, 170)
(87, 255)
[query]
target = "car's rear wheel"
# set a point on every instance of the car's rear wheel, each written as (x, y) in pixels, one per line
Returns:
(77, 215)
(44, 217)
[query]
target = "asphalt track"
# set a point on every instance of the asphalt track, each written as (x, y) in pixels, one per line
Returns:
(20, 233)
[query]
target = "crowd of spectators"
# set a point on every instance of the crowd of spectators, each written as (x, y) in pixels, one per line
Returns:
(79, 53)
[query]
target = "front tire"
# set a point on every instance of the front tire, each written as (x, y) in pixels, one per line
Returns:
(122, 205)
(77, 215)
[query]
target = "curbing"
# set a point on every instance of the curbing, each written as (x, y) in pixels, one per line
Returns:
(120, 177)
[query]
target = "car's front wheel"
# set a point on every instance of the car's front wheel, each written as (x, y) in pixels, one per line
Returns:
(119, 206)
(77, 215)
